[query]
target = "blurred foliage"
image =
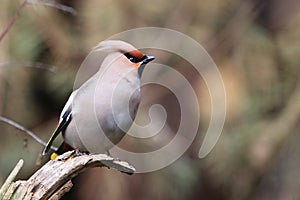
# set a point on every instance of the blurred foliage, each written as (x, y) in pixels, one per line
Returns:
(255, 44)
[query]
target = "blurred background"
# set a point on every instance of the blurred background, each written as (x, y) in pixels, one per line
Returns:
(256, 46)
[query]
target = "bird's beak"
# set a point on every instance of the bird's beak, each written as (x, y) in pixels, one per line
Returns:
(145, 60)
(148, 59)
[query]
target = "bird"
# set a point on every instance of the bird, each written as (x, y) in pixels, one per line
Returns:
(100, 112)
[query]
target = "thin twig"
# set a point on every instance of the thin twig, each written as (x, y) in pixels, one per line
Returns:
(38, 65)
(12, 20)
(26, 2)
(54, 5)
(11, 178)
(22, 128)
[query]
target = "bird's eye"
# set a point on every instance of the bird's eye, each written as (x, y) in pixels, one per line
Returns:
(131, 59)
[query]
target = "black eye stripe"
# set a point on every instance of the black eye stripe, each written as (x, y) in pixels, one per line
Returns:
(133, 59)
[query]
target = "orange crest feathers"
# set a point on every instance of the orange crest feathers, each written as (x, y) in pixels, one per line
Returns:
(136, 54)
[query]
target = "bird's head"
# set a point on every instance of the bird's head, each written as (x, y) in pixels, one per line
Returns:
(128, 53)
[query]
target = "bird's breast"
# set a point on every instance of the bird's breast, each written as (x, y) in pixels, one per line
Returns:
(104, 114)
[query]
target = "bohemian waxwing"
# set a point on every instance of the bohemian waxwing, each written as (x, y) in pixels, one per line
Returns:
(99, 113)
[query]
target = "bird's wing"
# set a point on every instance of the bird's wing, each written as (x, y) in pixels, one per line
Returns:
(65, 119)
(64, 122)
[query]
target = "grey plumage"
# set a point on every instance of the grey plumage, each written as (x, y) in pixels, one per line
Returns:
(104, 107)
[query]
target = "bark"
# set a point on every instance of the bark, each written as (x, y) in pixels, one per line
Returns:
(54, 179)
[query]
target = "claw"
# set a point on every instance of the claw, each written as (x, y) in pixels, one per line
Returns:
(78, 153)
(107, 153)
(116, 159)
(70, 155)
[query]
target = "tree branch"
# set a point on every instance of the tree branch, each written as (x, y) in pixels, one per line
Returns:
(26, 2)
(12, 20)
(9, 181)
(22, 128)
(54, 5)
(53, 179)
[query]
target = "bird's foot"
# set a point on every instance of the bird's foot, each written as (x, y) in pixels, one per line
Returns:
(107, 153)
(114, 159)
(77, 152)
